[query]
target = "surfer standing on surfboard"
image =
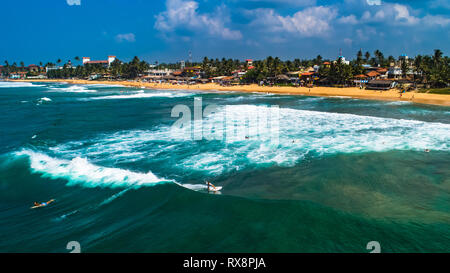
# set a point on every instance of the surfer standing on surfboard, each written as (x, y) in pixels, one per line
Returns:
(210, 185)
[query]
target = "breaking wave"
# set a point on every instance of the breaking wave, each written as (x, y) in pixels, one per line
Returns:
(18, 84)
(141, 94)
(301, 134)
(73, 89)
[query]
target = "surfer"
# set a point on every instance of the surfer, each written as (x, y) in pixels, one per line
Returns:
(43, 204)
(212, 186)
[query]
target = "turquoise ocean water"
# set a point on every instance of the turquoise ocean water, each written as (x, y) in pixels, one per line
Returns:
(344, 172)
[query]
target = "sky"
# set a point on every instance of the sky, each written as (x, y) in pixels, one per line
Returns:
(36, 31)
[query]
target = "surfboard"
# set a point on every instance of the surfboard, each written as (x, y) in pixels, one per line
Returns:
(41, 206)
(218, 188)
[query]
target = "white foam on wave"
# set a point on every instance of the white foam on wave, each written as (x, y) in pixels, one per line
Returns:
(43, 100)
(302, 133)
(72, 89)
(100, 85)
(79, 171)
(141, 94)
(18, 84)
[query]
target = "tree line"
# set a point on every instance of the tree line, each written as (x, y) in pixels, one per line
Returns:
(433, 70)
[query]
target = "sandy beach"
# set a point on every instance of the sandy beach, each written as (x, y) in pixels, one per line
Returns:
(352, 92)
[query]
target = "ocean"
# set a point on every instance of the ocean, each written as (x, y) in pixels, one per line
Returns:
(330, 175)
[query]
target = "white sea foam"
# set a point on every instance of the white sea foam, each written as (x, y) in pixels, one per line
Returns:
(79, 171)
(302, 134)
(18, 84)
(98, 85)
(43, 100)
(141, 94)
(73, 89)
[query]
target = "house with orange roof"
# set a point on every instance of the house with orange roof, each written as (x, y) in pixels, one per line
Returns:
(327, 64)
(373, 75)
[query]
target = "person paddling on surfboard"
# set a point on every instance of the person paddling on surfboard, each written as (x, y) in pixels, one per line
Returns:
(43, 204)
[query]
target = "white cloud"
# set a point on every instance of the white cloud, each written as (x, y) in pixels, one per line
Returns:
(313, 21)
(184, 14)
(351, 20)
(440, 4)
(430, 20)
(395, 14)
(348, 41)
(402, 15)
(366, 15)
(296, 3)
(128, 37)
(374, 2)
(366, 33)
(73, 2)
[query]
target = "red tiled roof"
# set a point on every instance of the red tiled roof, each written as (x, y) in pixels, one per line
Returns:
(373, 74)
(97, 62)
(361, 76)
(326, 63)
(251, 67)
(307, 73)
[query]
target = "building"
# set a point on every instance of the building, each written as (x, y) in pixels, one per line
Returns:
(105, 63)
(395, 72)
(33, 68)
(18, 75)
(372, 75)
(49, 68)
(381, 84)
(156, 73)
(360, 79)
(343, 61)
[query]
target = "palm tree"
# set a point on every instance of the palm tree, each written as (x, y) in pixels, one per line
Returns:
(319, 60)
(359, 57)
(437, 57)
(391, 59)
(367, 55)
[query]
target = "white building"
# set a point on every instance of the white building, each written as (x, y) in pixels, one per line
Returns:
(395, 72)
(343, 61)
(108, 62)
(159, 72)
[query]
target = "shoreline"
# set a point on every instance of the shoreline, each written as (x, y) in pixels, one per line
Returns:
(350, 92)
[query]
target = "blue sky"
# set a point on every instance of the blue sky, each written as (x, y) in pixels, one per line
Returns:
(166, 30)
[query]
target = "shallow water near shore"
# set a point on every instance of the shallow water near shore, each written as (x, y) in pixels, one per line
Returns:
(343, 173)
